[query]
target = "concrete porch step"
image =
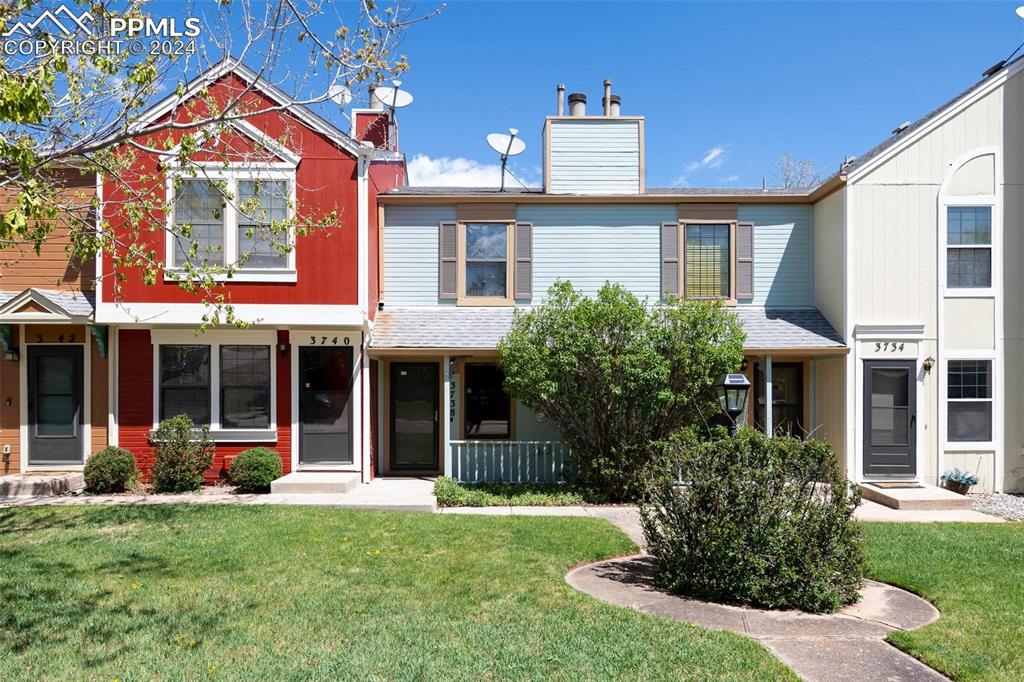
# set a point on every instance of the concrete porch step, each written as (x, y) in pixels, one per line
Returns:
(924, 498)
(40, 485)
(315, 482)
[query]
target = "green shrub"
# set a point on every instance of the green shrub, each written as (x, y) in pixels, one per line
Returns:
(615, 374)
(183, 453)
(111, 470)
(761, 521)
(451, 493)
(253, 470)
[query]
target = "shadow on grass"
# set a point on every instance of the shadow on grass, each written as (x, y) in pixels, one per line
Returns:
(85, 601)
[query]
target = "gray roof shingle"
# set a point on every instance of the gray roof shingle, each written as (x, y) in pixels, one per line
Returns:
(74, 303)
(479, 328)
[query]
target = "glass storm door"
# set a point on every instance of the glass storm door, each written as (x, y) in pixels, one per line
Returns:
(56, 410)
(325, 405)
(414, 415)
(890, 418)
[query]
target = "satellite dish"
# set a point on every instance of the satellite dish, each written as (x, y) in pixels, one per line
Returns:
(393, 98)
(340, 95)
(506, 145)
(1020, 12)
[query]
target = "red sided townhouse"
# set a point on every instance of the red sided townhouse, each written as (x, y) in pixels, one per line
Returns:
(297, 379)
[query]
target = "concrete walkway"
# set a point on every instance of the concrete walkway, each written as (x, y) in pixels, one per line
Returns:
(848, 645)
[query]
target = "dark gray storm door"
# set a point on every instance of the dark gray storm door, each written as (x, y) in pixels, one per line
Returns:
(414, 406)
(890, 419)
(56, 405)
(325, 405)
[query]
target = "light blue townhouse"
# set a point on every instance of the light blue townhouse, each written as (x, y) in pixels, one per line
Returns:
(457, 262)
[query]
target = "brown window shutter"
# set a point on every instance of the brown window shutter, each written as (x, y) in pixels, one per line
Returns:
(448, 261)
(523, 275)
(669, 260)
(744, 260)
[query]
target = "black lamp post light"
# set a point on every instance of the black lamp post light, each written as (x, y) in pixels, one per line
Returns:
(732, 394)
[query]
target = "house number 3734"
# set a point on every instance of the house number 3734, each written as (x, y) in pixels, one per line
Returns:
(888, 347)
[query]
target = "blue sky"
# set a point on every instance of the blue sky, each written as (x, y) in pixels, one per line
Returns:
(725, 87)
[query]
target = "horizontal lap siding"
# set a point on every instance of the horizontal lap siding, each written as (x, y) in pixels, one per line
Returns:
(783, 255)
(410, 253)
(10, 415)
(135, 386)
(591, 244)
(600, 157)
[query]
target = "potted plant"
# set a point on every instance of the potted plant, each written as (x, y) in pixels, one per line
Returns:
(958, 481)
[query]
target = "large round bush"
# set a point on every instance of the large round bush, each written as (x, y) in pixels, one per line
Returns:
(111, 470)
(252, 470)
(183, 453)
(761, 521)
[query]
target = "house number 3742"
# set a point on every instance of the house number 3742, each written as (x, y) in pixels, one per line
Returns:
(888, 347)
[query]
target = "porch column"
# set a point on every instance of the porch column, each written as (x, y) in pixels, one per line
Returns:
(768, 395)
(445, 417)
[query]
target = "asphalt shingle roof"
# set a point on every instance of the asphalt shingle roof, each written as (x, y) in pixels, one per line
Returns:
(476, 328)
(74, 303)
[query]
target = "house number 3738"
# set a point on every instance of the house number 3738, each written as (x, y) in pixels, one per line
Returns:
(888, 347)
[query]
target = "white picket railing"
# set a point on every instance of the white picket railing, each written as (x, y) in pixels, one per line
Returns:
(519, 461)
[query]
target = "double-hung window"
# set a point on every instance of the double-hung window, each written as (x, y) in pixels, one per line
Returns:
(969, 247)
(237, 218)
(707, 264)
(969, 401)
(226, 384)
(486, 263)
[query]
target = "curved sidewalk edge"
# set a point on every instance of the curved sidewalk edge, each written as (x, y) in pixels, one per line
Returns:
(848, 645)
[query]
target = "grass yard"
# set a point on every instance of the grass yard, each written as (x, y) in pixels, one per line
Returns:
(284, 593)
(974, 574)
(452, 494)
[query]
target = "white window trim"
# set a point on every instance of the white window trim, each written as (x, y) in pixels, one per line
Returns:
(980, 201)
(216, 339)
(961, 445)
(232, 174)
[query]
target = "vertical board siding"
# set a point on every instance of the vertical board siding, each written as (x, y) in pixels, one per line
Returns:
(783, 255)
(594, 157)
(591, 244)
(410, 253)
(135, 407)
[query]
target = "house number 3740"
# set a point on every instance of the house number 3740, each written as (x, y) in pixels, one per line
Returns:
(888, 347)
(328, 341)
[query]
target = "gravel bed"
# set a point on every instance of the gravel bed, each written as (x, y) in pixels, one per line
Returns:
(1000, 504)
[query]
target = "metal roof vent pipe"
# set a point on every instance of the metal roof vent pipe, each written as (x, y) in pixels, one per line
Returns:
(614, 106)
(375, 103)
(577, 104)
(606, 101)
(561, 100)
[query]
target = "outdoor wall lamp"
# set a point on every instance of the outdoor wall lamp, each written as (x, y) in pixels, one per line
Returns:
(282, 348)
(928, 363)
(732, 395)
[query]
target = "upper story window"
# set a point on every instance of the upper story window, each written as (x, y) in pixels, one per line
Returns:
(234, 217)
(486, 271)
(969, 247)
(969, 401)
(707, 264)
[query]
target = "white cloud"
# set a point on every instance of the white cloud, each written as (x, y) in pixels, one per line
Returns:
(459, 172)
(713, 159)
(732, 178)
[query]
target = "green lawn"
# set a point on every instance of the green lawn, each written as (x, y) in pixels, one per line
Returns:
(974, 574)
(204, 592)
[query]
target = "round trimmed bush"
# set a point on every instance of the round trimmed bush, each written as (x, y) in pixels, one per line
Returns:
(111, 470)
(761, 521)
(183, 453)
(252, 470)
